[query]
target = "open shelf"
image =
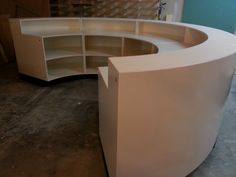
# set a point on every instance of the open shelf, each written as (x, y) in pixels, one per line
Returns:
(103, 46)
(63, 46)
(93, 62)
(65, 67)
(138, 47)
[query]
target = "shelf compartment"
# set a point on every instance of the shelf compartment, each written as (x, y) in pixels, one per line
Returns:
(64, 46)
(93, 62)
(138, 47)
(62, 52)
(103, 46)
(65, 67)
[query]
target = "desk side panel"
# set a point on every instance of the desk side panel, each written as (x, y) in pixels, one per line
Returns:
(108, 99)
(29, 52)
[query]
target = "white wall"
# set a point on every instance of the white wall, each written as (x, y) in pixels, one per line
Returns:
(174, 8)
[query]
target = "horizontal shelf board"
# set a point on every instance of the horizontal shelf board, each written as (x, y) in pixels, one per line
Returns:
(53, 33)
(171, 46)
(98, 53)
(59, 73)
(58, 68)
(102, 54)
(91, 71)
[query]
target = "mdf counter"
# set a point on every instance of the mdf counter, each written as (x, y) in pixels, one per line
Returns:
(162, 86)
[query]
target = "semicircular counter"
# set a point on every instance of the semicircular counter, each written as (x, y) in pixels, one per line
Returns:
(159, 113)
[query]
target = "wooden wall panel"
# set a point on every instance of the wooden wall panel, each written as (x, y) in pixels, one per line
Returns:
(15, 9)
(143, 9)
(6, 38)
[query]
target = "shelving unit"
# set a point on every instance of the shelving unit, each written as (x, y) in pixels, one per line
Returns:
(60, 47)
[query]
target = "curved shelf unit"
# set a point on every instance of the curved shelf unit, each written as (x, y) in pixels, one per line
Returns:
(47, 39)
(162, 86)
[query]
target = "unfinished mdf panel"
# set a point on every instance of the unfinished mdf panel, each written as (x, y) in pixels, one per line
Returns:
(194, 37)
(108, 130)
(174, 127)
(30, 59)
(62, 46)
(49, 25)
(105, 25)
(103, 46)
(164, 30)
(29, 52)
(138, 47)
(63, 67)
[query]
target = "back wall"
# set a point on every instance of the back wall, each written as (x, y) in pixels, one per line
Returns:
(219, 14)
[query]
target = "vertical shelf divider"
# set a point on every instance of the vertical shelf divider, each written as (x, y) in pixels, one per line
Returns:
(83, 43)
(137, 27)
(122, 46)
(81, 25)
(45, 60)
(153, 49)
(84, 52)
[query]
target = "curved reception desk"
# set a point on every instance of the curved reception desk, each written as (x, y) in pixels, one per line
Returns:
(162, 86)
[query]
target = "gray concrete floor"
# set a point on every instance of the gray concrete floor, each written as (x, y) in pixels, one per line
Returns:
(53, 131)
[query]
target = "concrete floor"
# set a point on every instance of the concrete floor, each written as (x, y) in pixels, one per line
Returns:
(53, 131)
